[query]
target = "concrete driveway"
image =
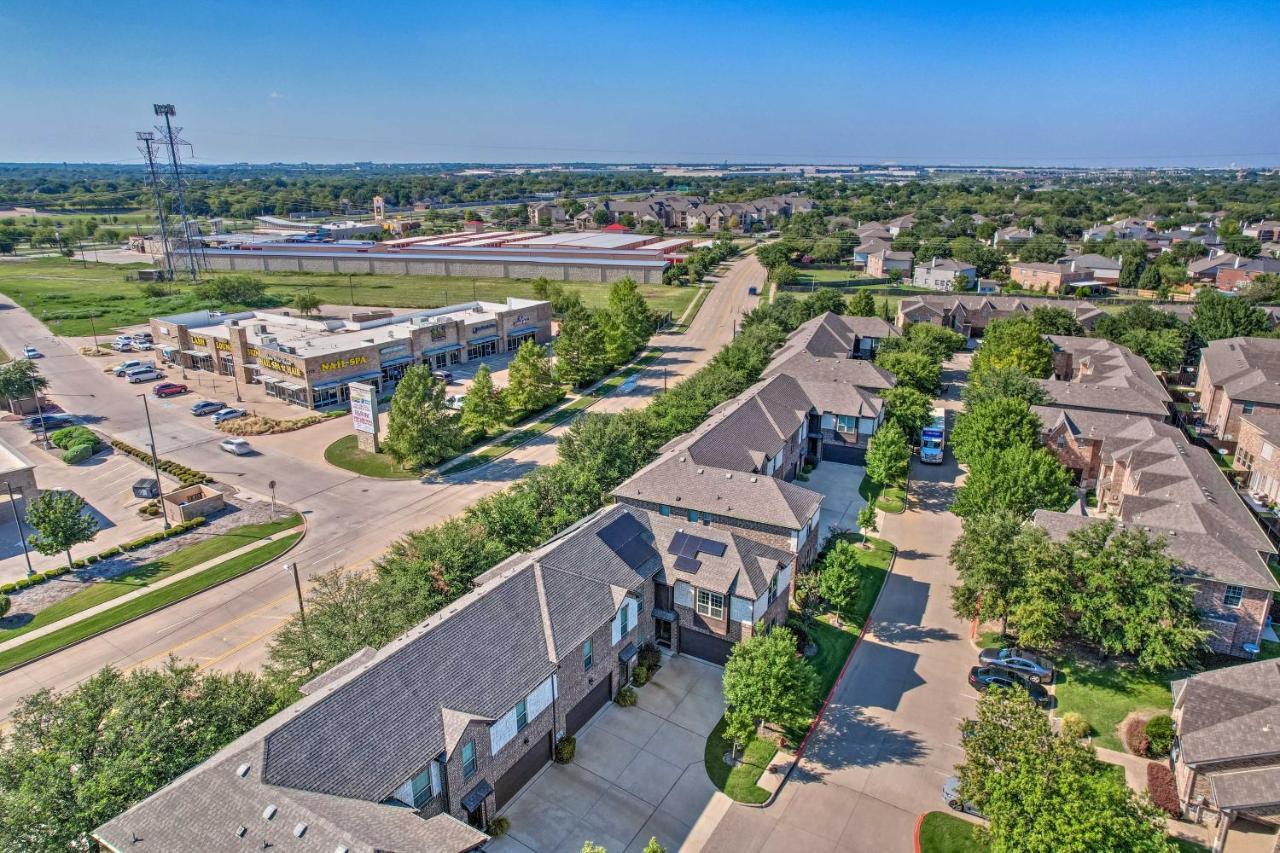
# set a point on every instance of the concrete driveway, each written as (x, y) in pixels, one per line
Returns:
(637, 774)
(841, 503)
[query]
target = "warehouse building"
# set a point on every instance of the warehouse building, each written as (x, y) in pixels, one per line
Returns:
(309, 362)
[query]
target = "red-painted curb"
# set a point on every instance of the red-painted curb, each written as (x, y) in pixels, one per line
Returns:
(919, 823)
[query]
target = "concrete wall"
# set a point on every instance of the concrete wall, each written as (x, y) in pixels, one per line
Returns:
(563, 271)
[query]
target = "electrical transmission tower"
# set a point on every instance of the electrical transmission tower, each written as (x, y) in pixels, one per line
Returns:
(169, 137)
(148, 150)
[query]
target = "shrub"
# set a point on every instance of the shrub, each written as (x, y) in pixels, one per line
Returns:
(1163, 787)
(565, 749)
(113, 551)
(23, 583)
(91, 559)
(650, 656)
(626, 696)
(1075, 726)
(640, 675)
(4, 604)
(1159, 732)
(78, 454)
(78, 564)
(1135, 739)
(72, 436)
(7, 588)
(499, 826)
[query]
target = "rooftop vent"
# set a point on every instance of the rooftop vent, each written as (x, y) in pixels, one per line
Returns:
(241, 830)
(269, 812)
(300, 830)
(700, 470)
(753, 479)
(242, 770)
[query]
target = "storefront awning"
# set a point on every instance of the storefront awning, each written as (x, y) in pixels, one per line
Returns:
(438, 350)
(197, 353)
(476, 341)
(392, 362)
(285, 384)
(523, 330)
(344, 380)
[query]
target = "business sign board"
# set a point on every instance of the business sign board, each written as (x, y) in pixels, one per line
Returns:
(364, 407)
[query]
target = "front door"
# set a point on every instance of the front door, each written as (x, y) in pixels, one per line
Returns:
(662, 632)
(475, 817)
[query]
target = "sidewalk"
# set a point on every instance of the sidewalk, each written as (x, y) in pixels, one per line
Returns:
(171, 579)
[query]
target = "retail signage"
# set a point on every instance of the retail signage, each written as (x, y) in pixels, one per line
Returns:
(340, 363)
(364, 407)
(280, 366)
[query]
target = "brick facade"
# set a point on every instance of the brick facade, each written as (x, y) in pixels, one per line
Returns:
(1232, 627)
(1260, 458)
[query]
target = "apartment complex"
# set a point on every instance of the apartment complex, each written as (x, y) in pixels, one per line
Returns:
(1098, 375)
(676, 212)
(969, 314)
(1237, 377)
(310, 362)
(1147, 475)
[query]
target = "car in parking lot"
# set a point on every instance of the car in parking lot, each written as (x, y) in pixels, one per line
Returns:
(1036, 669)
(238, 446)
(951, 796)
(31, 352)
(146, 373)
(443, 375)
(207, 407)
(985, 677)
(122, 346)
(169, 389)
(52, 421)
(228, 414)
(143, 346)
(125, 366)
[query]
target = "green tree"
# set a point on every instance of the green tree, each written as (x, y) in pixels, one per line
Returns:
(840, 575)
(1218, 316)
(993, 426)
(988, 558)
(913, 369)
(654, 847)
(823, 300)
(1245, 247)
(888, 455)
(867, 523)
(765, 681)
(60, 520)
(1014, 342)
(1163, 349)
(72, 761)
(531, 383)
(306, 302)
(936, 342)
(862, 304)
(1132, 265)
(1020, 479)
(482, 406)
(20, 379)
(580, 348)
(908, 408)
(231, 290)
(1042, 248)
(1055, 321)
(631, 313)
(601, 216)
(421, 430)
(784, 275)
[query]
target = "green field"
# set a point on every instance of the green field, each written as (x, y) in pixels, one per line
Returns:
(944, 833)
(1106, 694)
(78, 301)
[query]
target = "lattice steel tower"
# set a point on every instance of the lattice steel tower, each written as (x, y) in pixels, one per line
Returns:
(169, 137)
(148, 151)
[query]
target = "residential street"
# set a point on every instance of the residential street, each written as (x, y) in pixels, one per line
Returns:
(889, 738)
(351, 519)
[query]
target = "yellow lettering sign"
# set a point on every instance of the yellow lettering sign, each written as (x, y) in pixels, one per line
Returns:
(222, 345)
(344, 362)
(198, 341)
(279, 365)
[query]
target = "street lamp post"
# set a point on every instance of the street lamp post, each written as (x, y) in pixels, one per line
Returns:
(35, 392)
(292, 569)
(155, 461)
(22, 535)
(272, 487)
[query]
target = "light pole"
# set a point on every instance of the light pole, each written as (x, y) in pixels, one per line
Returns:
(35, 392)
(272, 487)
(292, 569)
(155, 462)
(22, 535)
(94, 330)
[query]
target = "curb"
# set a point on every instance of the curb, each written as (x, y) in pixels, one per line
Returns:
(166, 606)
(825, 702)
(916, 833)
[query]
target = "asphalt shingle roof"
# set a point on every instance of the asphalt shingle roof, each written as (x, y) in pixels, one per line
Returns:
(1245, 368)
(1227, 713)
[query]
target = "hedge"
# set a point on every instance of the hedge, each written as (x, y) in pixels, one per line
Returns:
(1163, 786)
(78, 453)
(4, 604)
(186, 476)
(69, 437)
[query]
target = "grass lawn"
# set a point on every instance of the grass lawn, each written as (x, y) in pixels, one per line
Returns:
(945, 833)
(738, 781)
(892, 499)
(78, 301)
(345, 453)
(1105, 695)
(821, 277)
(678, 327)
(211, 547)
(144, 604)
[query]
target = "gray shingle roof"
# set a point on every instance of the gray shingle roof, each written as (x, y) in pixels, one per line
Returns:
(1245, 368)
(1227, 713)
(1107, 376)
(755, 426)
(1086, 313)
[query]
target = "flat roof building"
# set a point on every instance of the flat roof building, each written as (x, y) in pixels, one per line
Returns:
(310, 361)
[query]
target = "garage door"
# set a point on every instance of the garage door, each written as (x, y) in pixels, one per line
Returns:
(844, 454)
(586, 708)
(510, 783)
(704, 646)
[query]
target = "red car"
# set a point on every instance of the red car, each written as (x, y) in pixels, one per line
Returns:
(169, 389)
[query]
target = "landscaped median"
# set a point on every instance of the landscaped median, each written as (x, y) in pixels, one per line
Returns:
(832, 645)
(890, 499)
(149, 588)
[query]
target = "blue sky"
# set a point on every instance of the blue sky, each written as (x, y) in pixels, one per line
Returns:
(1012, 83)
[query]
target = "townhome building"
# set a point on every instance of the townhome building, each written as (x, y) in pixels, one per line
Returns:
(1147, 475)
(1265, 231)
(836, 336)
(1099, 267)
(1258, 454)
(945, 274)
(1226, 750)
(1099, 375)
(1049, 278)
(1241, 272)
(1237, 377)
(969, 314)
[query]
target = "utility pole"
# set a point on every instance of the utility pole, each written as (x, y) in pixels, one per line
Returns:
(22, 534)
(35, 392)
(173, 142)
(148, 140)
(292, 568)
(155, 462)
(272, 487)
(94, 330)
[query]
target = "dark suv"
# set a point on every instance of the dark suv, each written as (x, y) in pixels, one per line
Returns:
(1037, 669)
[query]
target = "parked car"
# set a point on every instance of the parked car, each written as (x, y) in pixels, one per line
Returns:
(125, 366)
(951, 796)
(984, 677)
(56, 420)
(31, 352)
(143, 346)
(143, 374)
(238, 446)
(443, 375)
(142, 336)
(122, 346)
(207, 407)
(169, 389)
(228, 415)
(1035, 668)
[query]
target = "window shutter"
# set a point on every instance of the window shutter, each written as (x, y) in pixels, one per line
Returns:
(502, 731)
(616, 629)
(539, 699)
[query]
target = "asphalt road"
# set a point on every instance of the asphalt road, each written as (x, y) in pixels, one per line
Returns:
(350, 519)
(889, 738)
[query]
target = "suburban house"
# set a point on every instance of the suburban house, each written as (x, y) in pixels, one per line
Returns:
(900, 224)
(836, 336)
(547, 213)
(1237, 377)
(1100, 267)
(1264, 232)
(1206, 268)
(1146, 474)
(1011, 236)
(868, 247)
(1097, 374)
(873, 231)
(1226, 753)
(1123, 229)
(1049, 278)
(945, 274)
(881, 263)
(1232, 277)
(969, 314)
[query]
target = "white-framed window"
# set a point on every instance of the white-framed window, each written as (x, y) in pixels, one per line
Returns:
(846, 423)
(1233, 596)
(773, 589)
(623, 625)
(710, 604)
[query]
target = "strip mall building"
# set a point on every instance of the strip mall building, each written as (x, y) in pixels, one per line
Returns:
(309, 362)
